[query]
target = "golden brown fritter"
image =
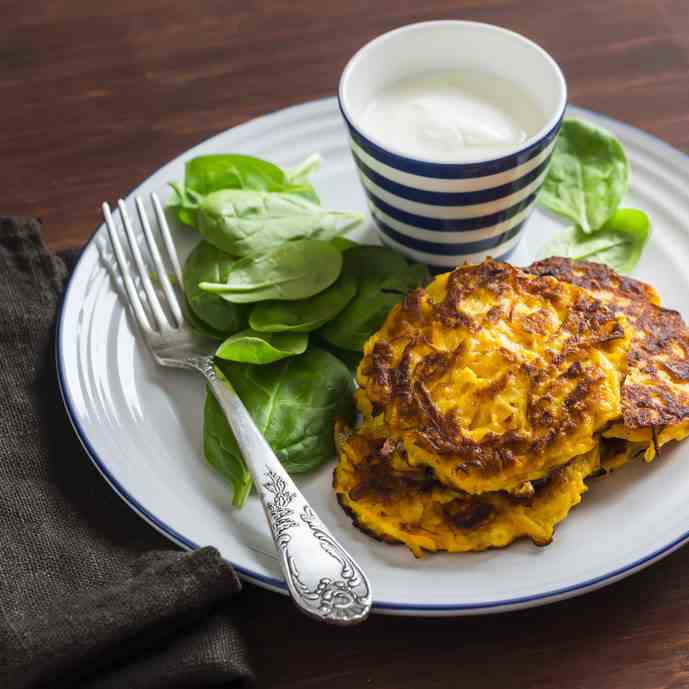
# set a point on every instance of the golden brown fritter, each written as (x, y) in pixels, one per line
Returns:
(655, 392)
(616, 453)
(656, 389)
(490, 396)
(491, 377)
(396, 503)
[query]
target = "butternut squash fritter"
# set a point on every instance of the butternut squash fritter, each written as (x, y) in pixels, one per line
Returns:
(616, 453)
(401, 504)
(649, 439)
(491, 377)
(655, 392)
(489, 397)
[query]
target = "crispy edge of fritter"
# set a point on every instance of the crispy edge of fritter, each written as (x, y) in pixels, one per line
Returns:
(658, 334)
(616, 453)
(595, 277)
(650, 438)
(664, 347)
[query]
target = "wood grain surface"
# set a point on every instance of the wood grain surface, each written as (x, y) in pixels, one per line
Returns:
(95, 96)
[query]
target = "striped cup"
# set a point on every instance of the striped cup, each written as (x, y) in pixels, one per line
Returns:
(447, 213)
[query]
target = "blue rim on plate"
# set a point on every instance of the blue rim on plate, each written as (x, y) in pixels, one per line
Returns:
(278, 584)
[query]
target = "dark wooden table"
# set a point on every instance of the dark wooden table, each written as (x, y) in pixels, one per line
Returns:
(95, 96)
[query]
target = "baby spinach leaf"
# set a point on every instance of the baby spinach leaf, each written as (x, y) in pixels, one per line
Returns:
(294, 403)
(383, 279)
(209, 173)
(243, 222)
(618, 243)
(342, 243)
(206, 174)
(251, 347)
(587, 177)
(304, 315)
(208, 264)
(221, 451)
(294, 270)
(199, 326)
(184, 202)
(351, 359)
(300, 174)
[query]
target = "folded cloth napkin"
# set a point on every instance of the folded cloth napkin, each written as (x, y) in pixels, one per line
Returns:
(90, 596)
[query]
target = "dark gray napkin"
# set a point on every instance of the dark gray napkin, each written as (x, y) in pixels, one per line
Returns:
(90, 596)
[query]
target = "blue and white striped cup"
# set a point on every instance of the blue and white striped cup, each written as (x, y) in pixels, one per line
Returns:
(446, 213)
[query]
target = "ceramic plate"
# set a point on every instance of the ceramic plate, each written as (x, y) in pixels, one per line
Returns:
(141, 425)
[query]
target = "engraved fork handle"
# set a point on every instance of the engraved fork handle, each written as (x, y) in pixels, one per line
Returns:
(323, 578)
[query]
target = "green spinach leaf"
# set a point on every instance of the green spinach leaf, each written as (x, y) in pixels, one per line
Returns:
(304, 315)
(243, 222)
(300, 174)
(184, 203)
(618, 243)
(350, 358)
(199, 326)
(221, 451)
(587, 177)
(208, 264)
(294, 403)
(294, 270)
(342, 243)
(383, 279)
(251, 347)
(209, 173)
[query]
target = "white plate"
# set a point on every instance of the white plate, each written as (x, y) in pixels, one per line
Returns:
(141, 425)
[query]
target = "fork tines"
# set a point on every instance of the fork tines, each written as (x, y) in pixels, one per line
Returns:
(160, 321)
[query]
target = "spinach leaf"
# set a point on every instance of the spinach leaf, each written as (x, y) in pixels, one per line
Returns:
(587, 177)
(199, 326)
(294, 403)
(342, 243)
(618, 243)
(209, 173)
(184, 202)
(221, 451)
(243, 222)
(295, 270)
(300, 174)
(304, 315)
(383, 279)
(351, 359)
(251, 347)
(208, 264)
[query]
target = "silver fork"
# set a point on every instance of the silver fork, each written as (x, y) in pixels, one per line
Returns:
(323, 579)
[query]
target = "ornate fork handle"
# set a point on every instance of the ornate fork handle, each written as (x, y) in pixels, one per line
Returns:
(324, 580)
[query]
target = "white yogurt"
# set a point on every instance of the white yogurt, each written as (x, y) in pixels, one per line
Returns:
(452, 116)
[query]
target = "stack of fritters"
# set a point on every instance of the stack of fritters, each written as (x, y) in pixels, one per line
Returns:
(490, 396)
